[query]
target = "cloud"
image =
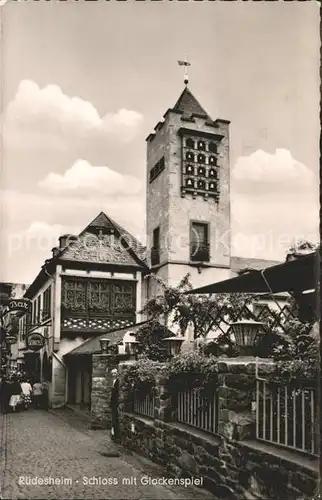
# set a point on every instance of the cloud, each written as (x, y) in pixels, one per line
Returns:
(40, 115)
(84, 178)
(267, 172)
(274, 200)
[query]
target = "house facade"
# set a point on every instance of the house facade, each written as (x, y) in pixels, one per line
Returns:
(97, 282)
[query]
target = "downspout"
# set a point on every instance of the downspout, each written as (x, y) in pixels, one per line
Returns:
(66, 372)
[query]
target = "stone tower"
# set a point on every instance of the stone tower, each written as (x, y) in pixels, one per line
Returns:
(188, 195)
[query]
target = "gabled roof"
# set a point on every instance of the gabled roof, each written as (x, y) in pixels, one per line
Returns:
(188, 105)
(103, 221)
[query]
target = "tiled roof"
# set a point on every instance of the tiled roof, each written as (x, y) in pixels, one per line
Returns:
(188, 105)
(239, 264)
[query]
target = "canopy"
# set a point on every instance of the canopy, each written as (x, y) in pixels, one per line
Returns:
(293, 276)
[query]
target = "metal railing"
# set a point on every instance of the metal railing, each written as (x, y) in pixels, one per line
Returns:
(287, 416)
(199, 252)
(198, 410)
(144, 405)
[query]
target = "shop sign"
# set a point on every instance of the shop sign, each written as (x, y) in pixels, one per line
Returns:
(11, 339)
(19, 305)
(35, 341)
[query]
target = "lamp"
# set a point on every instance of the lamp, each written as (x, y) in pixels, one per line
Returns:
(174, 344)
(246, 334)
(131, 347)
(104, 344)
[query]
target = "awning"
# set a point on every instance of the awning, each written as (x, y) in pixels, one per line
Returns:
(294, 276)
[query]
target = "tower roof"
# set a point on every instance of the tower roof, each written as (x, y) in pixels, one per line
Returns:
(188, 105)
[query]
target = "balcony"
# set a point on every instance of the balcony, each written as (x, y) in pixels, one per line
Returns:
(155, 256)
(199, 252)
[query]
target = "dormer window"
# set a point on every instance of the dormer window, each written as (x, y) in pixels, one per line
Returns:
(189, 183)
(213, 147)
(190, 156)
(213, 173)
(201, 171)
(201, 158)
(190, 143)
(201, 145)
(190, 169)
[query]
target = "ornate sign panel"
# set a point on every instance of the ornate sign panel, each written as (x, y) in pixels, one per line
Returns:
(19, 305)
(35, 341)
(104, 249)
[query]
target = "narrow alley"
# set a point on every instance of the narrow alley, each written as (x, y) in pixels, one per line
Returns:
(57, 448)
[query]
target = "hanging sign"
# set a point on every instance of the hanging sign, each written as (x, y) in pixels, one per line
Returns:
(35, 341)
(19, 305)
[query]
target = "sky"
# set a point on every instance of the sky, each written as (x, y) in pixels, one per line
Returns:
(84, 83)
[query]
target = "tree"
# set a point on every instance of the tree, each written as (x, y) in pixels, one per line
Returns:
(203, 311)
(150, 340)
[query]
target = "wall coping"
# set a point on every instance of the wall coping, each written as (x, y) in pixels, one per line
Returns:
(285, 454)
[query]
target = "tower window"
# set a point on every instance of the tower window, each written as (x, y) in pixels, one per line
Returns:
(201, 158)
(213, 173)
(201, 185)
(199, 242)
(190, 156)
(190, 169)
(213, 147)
(189, 183)
(201, 145)
(190, 143)
(212, 160)
(212, 186)
(157, 169)
(201, 171)
(155, 250)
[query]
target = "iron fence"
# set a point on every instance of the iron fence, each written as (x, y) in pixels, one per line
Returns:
(287, 416)
(198, 410)
(144, 405)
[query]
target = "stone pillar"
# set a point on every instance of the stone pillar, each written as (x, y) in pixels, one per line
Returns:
(163, 409)
(236, 393)
(102, 364)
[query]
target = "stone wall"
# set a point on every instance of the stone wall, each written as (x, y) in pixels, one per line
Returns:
(232, 463)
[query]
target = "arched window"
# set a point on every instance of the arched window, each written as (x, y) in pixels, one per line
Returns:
(213, 173)
(212, 160)
(201, 145)
(212, 186)
(190, 169)
(201, 171)
(201, 184)
(189, 183)
(201, 158)
(190, 143)
(190, 156)
(213, 147)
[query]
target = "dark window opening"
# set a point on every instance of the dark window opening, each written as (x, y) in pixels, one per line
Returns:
(212, 160)
(190, 143)
(201, 185)
(199, 242)
(190, 169)
(155, 250)
(213, 173)
(201, 158)
(189, 183)
(201, 171)
(46, 312)
(213, 147)
(190, 156)
(212, 186)
(157, 169)
(202, 145)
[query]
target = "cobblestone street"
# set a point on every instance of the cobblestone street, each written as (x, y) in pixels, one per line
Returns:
(59, 446)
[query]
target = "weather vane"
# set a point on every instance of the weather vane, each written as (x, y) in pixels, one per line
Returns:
(185, 63)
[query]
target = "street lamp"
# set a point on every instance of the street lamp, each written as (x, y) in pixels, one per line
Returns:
(104, 343)
(131, 347)
(174, 344)
(246, 334)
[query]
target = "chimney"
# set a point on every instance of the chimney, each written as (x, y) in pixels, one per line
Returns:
(65, 240)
